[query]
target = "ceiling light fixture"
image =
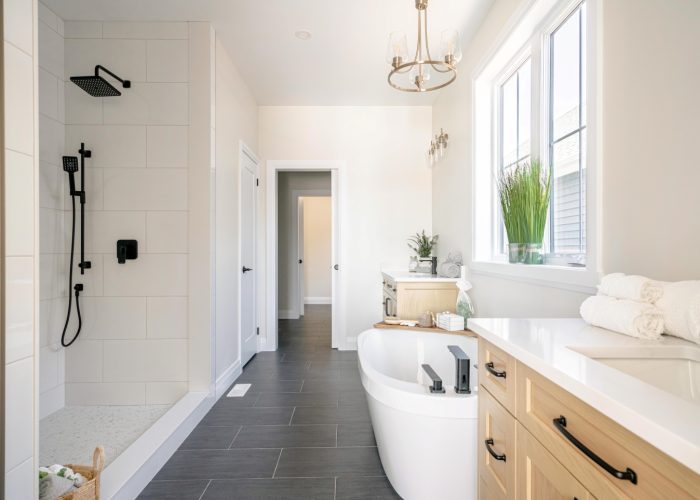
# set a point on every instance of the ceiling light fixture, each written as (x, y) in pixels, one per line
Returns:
(420, 78)
(303, 34)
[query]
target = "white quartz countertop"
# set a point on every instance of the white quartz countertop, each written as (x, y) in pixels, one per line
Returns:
(401, 276)
(549, 346)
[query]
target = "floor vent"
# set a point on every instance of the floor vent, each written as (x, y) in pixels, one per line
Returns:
(238, 391)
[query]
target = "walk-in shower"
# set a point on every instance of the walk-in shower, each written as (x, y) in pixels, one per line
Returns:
(70, 165)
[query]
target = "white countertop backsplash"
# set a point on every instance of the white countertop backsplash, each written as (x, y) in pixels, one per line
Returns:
(668, 422)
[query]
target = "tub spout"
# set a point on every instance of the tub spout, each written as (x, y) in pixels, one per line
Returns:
(437, 381)
(461, 370)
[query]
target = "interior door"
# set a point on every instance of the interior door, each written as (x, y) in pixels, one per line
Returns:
(300, 254)
(249, 340)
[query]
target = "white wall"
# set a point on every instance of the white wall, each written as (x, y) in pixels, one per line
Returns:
(385, 191)
(21, 211)
(52, 192)
(649, 84)
(133, 348)
(651, 78)
(317, 221)
(236, 120)
(288, 183)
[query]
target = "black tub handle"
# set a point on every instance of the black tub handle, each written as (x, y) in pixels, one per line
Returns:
(489, 367)
(628, 475)
(492, 452)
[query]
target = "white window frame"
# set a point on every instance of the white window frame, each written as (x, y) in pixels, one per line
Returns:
(528, 35)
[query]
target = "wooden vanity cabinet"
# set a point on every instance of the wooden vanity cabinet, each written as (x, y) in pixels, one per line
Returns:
(409, 299)
(540, 432)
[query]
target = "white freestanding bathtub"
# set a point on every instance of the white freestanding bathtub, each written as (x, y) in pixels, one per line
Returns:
(427, 442)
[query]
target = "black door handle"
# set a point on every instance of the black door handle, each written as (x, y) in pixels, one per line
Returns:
(301, 261)
(489, 367)
(492, 452)
(627, 475)
(335, 267)
(246, 269)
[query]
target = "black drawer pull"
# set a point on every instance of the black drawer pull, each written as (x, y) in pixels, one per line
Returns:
(628, 475)
(489, 443)
(493, 371)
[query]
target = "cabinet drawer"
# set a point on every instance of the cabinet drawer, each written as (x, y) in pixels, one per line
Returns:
(497, 374)
(413, 299)
(541, 402)
(540, 476)
(497, 432)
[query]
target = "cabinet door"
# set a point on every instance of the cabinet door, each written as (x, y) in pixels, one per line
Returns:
(496, 449)
(540, 476)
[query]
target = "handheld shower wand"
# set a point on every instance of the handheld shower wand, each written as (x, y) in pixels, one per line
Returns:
(70, 165)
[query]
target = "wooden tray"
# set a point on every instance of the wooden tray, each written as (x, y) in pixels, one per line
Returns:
(382, 325)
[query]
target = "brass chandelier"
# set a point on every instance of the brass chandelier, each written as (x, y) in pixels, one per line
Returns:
(423, 72)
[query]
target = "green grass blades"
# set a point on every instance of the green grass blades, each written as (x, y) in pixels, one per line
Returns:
(524, 196)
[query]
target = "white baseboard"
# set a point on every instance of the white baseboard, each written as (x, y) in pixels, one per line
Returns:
(287, 314)
(227, 378)
(131, 471)
(350, 344)
(318, 300)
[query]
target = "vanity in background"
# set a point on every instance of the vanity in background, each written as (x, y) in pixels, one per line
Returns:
(556, 422)
(408, 295)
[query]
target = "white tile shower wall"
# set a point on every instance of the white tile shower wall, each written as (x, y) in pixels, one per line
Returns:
(133, 349)
(52, 231)
(21, 253)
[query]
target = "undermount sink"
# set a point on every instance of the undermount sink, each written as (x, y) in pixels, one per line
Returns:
(672, 368)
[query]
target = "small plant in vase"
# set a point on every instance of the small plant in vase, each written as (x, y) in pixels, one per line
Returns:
(423, 245)
(524, 196)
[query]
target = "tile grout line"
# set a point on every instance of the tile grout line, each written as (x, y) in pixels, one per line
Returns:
(240, 428)
(292, 417)
(205, 490)
(335, 488)
(277, 464)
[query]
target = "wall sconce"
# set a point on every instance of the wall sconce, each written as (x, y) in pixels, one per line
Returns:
(438, 145)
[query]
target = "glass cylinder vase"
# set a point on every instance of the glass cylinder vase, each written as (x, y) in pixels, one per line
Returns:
(533, 254)
(516, 253)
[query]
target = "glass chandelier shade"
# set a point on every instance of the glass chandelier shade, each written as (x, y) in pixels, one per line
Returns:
(423, 72)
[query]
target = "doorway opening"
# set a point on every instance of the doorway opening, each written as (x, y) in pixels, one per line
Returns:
(303, 245)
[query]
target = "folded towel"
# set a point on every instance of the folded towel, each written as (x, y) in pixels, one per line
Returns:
(52, 486)
(450, 270)
(631, 287)
(637, 319)
(680, 305)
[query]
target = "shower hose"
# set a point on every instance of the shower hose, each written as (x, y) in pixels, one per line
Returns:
(78, 288)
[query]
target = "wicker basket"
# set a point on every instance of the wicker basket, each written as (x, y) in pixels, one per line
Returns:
(91, 489)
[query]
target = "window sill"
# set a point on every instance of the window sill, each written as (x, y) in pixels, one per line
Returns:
(577, 279)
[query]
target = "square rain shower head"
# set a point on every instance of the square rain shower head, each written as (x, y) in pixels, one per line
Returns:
(95, 85)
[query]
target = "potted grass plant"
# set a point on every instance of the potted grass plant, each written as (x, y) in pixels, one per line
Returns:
(524, 195)
(422, 245)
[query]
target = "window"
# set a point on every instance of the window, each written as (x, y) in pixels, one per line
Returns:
(515, 112)
(554, 133)
(567, 133)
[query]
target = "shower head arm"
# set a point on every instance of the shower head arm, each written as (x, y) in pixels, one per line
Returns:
(125, 83)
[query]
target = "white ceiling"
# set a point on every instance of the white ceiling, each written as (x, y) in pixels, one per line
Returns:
(343, 62)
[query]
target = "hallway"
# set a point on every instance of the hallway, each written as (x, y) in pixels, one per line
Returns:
(301, 432)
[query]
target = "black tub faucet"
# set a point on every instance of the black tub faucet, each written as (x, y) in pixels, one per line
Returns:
(461, 370)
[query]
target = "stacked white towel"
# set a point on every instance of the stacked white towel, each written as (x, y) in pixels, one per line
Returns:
(680, 305)
(630, 287)
(637, 319)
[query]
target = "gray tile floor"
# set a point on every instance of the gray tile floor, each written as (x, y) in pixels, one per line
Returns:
(301, 432)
